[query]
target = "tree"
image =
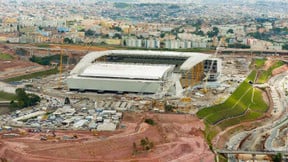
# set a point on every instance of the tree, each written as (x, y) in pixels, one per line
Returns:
(213, 33)
(105, 36)
(285, 46)
(89, 32)
(33, 99)
(146, 144)
(199, 32)
(277, 157)
(68, 40)
(117, 35)
(238, 45)
(230, 31)
(169, 108)
(117, 28)
(23, 99)
(150, 121)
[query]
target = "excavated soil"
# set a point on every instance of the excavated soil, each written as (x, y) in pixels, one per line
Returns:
(174, 137)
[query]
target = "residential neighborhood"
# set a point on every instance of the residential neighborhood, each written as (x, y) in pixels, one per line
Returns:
(136, 25)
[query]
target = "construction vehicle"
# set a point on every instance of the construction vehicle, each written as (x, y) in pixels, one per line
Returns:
(186, 99)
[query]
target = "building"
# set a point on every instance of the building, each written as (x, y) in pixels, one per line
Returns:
(116, 77)
(133, 43)
(140, 71)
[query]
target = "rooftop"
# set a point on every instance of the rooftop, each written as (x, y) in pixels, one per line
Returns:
(127, 71)
(193, 58)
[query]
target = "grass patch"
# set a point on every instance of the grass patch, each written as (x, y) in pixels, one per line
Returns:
(4, 96)
(43, 45)
(48, 59)
(258, 63)
(238, 107)
(235, 105)
(265, 75)
(5, 57)
(245, 104)
(210, 132)
(33, 75)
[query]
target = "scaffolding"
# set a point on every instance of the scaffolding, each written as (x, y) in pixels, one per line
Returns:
(193, 76)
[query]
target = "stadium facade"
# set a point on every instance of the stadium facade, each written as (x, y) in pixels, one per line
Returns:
(141, 71)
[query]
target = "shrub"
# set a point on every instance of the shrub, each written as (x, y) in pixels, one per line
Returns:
(150, 121)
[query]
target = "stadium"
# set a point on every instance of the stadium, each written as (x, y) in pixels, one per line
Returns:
(150, 72)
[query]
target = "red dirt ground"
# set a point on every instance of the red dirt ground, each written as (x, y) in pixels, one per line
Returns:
(15, 67)
(80, 47)
(280, 70)
(175, 138)
(268, 63)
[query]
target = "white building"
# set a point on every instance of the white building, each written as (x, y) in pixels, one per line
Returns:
(133, 42)
(136, 71)
(152, 43)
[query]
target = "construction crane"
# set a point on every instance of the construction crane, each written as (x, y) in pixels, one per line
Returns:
(207, 74)
(60, 70)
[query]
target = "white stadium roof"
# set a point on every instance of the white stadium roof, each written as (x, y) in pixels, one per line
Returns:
(193, 58)
(130, 71)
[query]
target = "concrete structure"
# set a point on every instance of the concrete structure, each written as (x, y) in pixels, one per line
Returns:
(212, 66)
(121, 77)
(139, 71)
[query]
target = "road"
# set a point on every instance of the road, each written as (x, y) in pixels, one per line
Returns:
(271, 127)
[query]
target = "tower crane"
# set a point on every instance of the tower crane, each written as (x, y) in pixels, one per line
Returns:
(207, 74)
(60, 70)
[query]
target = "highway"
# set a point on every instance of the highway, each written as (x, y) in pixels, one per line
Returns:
(254, 51)
(271, 128)
(251, 152)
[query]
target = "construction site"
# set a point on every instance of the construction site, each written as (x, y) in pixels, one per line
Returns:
(118, 95)
(156, 72)
(124, 144)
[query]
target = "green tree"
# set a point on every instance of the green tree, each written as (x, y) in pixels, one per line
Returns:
(238, 45)
(146, 144)
(68, 40)
(117, 28)
(199, 32)
(277, 157)
(150, 121)
(285, 46)
(169, 108)
(33, 99)
(117, 35)
(214, 32)
(162, 35)
(89, 32)
(230, 31)
(23, 99)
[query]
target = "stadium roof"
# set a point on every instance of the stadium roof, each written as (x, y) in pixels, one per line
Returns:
(127, 71)
(193, 58)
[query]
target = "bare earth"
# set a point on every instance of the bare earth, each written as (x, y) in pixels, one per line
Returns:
(280, 69)
(14, 68)
(175, 138)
